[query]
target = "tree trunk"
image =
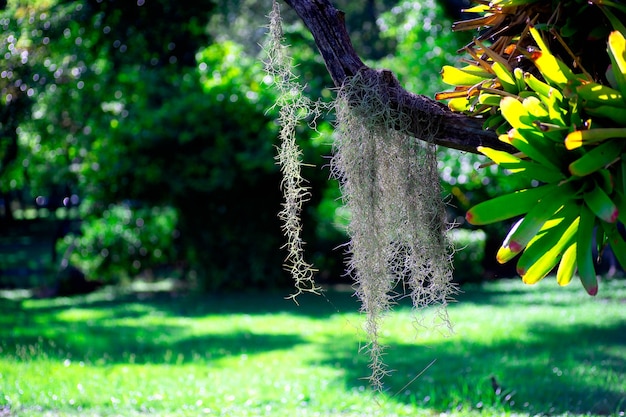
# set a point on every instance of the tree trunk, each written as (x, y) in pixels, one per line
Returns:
(452, 130)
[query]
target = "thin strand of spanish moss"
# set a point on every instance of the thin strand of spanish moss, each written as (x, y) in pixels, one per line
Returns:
(294, 107)
(390, 184)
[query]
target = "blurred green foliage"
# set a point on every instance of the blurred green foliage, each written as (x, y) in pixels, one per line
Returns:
(120, 243)
(165, 139)
(470, 254)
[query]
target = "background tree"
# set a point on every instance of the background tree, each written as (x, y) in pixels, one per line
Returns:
(165, 143)
(144, 123)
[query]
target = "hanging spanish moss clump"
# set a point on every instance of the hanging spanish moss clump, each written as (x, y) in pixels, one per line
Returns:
(390, 185)
(294, 108)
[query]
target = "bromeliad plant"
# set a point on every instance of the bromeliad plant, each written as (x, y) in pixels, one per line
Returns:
(545, 90)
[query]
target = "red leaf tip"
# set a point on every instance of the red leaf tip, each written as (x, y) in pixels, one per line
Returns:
(515, 246)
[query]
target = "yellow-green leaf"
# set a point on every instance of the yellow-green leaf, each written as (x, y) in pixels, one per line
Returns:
(535, 107)
(466, 76)
(552, 69)
(567, 267)
(579, 138)
(489, 99)
(459, 104)
(594, 94)
(506, 77)
(515, 113)
(617, 54)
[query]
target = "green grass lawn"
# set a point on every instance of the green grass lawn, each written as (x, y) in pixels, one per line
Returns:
(554, 351)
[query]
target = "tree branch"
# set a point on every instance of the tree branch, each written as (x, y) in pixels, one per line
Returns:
(455, 130)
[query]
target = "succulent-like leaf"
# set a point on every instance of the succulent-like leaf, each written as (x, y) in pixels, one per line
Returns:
(594, 94)
(515, 113)
(507, 206)
(535, 263)
(466, 76)
(601, 205)
(597, 158)
(579, 138)
(567, 266)
(617, 54)
(584, 250)
(529, 169)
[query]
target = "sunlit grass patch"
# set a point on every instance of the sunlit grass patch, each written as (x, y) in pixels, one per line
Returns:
(548, 350)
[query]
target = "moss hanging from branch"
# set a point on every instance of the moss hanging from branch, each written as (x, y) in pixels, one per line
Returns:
(294, 108)
(389, 183)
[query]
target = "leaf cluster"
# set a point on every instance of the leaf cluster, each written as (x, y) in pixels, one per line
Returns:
(533, 81)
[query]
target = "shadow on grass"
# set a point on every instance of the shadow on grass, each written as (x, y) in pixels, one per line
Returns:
(39, 329)
(548, 292)
(576, 370)
(201, 305)
(99, 344)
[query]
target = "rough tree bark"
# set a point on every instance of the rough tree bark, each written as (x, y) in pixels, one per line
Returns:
(453, 130)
